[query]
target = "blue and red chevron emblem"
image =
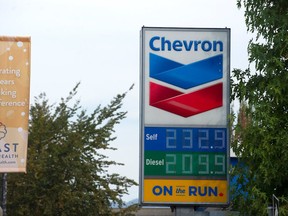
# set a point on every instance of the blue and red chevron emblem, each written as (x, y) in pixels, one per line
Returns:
(186, 77)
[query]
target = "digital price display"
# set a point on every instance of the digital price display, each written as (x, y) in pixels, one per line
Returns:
(185, 164)
(197, 152)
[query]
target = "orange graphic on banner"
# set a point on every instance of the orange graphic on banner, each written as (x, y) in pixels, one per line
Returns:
(14, 102)
(185, 191)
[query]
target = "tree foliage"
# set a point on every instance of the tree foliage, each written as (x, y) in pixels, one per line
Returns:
(67, 171)
(260, 135)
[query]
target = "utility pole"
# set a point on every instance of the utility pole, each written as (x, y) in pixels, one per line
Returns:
(4, 194)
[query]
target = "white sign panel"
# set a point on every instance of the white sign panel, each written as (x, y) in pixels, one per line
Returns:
(186, 76)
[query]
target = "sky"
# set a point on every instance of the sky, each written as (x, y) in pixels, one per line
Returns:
(97, 43)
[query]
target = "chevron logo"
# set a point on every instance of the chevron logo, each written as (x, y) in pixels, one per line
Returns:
(186, 77)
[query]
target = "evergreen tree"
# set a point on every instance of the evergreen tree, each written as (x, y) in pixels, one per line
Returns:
(261, 138)
(67, 171)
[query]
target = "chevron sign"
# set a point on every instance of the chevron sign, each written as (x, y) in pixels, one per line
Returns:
(185, 76)
(184, 147)
(184, 133)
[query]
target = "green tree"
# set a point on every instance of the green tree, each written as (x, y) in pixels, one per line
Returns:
(67, 171)
(261, 138)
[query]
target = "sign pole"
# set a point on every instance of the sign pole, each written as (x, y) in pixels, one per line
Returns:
(184, 211)
(4, 194)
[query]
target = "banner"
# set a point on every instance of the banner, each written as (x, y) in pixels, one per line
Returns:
(14, 102)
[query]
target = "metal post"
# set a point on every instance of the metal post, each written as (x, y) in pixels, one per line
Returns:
(275, 204)
(189, 211)
(4, 193)
(184, 211)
